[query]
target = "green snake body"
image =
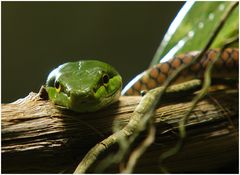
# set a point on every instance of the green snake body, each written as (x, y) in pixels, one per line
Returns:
(90, 85)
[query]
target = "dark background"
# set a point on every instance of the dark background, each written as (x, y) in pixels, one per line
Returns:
(38, 36)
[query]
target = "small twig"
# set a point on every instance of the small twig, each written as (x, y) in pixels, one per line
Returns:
(227, 111)
(140, 150)
(124, 144)
(114, 158)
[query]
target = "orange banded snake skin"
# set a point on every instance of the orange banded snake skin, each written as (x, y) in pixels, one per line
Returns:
(226, 67)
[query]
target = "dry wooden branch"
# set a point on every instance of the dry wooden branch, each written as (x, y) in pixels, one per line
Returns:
(38, 137)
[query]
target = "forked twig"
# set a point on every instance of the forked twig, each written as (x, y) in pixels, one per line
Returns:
(136, 154)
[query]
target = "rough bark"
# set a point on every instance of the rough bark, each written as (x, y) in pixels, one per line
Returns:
(39, 137)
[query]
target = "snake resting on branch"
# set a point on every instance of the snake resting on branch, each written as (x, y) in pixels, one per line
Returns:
(90, 85)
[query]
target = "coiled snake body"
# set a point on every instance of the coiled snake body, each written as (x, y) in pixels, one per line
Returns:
(90, 85)
(226, 66)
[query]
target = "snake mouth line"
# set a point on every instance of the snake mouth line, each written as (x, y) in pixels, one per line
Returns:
(113, 93)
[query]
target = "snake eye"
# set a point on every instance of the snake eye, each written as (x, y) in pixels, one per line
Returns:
(57, 86)
(105, 79)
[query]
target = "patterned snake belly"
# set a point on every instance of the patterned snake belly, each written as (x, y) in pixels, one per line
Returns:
(226, 67)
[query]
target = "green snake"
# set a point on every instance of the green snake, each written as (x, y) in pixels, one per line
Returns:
(84, 86)
(90, 85)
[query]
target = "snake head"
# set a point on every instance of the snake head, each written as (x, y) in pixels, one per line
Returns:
(84, 86)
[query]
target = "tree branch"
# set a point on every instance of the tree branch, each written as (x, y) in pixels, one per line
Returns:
(38, 137)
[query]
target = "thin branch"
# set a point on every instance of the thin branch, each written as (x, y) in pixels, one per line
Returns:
(136, 154)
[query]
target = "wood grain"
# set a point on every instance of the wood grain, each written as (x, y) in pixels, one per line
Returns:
(39, 137)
